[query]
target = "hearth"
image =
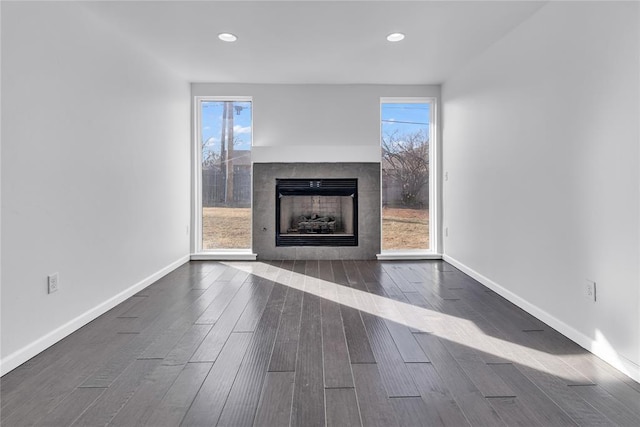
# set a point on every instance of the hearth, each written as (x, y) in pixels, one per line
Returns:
(316, 212)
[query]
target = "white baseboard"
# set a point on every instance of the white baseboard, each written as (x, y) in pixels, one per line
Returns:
(20, 356)
(605, 353)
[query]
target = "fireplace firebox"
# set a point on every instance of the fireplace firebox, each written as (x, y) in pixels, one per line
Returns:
(316, 212)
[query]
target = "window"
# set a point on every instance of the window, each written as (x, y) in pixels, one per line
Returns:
(406, 137)
(224, 137)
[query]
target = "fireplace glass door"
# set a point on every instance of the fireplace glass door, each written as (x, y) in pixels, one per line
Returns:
(316, 212)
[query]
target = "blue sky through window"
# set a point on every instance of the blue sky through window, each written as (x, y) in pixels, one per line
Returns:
(405, 118)
(211, 122)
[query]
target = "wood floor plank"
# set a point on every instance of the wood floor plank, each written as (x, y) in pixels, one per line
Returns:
(436, 395)
(168, 339)
(615, 383)
(227, 290)
(513, 412)
(611, 376)
(413, 411)
(107, 406)
(325, 271)
(176, 402)
(218, 269)
(210, 399)
(283, 357)
(401, 276)
(199, 270)
(369, 270)
(179, 276)
(285, 270)
(38, 395)
(161, 318)
(385, 285)
(123, 307)
(286, 265)
(336, 362)
(342, 407)
(164, 342)
(395, 376)
(406, 343)
(253, 311)
(68, 411)
(437, 287)
(357, 340)
(230, 274)
(147, 396)
(308, 394)
(474, 406)
(475, 347)
(172, 299)
(543, 408)
(312, 269)
(299, 266)
(413, 273)
(429, 316)
(518, 317)
(609, 406)
(274, 407)
(375, 406)
(214, 341)
(564, 396)
(401, 333)
(397, 290)
(184, 350)
(354, 278)
(241, 405)
(481, 374)
(339, 275)
(129, 325)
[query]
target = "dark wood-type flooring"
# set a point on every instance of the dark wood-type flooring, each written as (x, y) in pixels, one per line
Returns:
(311, 343)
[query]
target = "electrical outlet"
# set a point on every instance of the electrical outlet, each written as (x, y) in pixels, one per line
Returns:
(446, 176)
(590, 290)
(446, 232)
(52, 283)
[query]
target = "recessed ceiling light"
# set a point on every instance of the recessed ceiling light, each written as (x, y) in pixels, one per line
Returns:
(395, 37)
(227, 37)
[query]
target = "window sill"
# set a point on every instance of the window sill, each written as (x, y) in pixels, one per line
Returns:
(407, 255)
(225, 255)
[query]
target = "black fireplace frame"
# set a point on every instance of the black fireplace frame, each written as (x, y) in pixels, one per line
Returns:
(317, 187)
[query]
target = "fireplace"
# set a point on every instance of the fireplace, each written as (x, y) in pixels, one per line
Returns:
(316, 212)
(365, 177)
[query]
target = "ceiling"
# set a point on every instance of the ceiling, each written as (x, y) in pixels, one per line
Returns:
(313, 42)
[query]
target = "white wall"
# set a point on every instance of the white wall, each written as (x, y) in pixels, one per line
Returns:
(541, 144)
(315, 123)
(95, 172)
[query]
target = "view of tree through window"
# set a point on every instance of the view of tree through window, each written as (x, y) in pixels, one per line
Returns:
(405, 175)
(226, 174)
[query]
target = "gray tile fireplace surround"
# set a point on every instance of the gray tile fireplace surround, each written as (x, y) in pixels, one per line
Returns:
(264, 209)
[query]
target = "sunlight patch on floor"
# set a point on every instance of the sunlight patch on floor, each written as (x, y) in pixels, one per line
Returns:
(455, 329)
